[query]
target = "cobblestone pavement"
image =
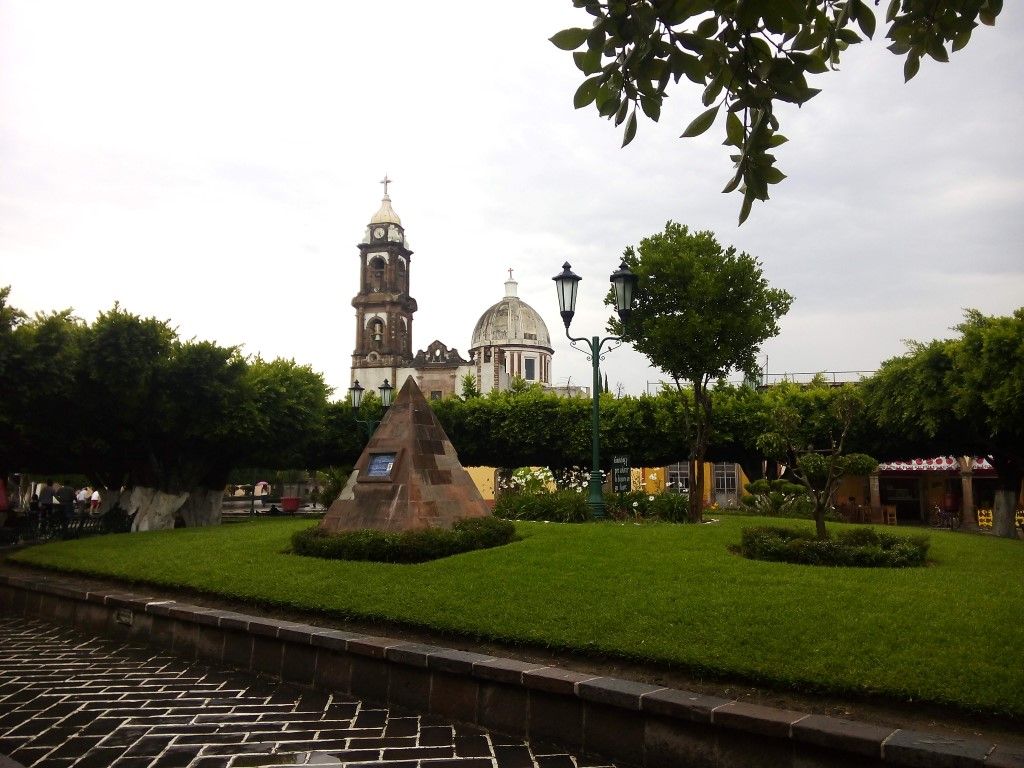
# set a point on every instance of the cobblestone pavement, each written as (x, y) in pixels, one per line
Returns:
(67, 699)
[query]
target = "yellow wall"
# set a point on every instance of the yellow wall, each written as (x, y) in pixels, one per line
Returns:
(484, 479)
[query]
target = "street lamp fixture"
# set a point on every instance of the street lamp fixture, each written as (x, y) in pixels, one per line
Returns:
(355, 399)
(624, 284)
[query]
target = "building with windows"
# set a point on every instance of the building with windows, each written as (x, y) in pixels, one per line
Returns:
(509, 341)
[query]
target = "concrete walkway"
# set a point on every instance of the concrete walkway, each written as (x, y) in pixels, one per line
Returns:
(67, 699)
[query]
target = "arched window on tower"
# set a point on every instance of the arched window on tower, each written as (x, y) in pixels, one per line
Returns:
(376, 333)
(375, 274)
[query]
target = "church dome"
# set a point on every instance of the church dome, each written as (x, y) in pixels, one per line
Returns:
(386, 214)
(511, 322)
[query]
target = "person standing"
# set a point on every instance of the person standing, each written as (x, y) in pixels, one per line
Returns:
(94, 501)
(81, 500)
(46, 501)
(66, 499)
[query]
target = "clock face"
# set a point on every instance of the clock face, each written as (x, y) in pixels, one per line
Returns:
(378, 232)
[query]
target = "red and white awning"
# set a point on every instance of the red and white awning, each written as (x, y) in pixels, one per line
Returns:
(938, 464)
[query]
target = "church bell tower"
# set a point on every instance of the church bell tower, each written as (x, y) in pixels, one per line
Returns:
(384, 308)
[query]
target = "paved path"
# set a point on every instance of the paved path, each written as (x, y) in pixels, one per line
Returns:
(70, 700)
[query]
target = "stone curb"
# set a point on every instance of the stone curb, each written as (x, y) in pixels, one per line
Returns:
(631, 722)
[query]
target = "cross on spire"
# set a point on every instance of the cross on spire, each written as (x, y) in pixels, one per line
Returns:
(385, 181)
(510, 273)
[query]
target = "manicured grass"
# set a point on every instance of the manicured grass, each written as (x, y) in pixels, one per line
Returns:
(950, 633)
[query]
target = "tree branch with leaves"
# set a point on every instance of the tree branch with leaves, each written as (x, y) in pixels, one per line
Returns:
(747, 55)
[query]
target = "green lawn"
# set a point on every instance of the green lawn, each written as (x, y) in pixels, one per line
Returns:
(951, 633)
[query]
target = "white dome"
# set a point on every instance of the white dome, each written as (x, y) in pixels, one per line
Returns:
(511, 322)
(386, 214)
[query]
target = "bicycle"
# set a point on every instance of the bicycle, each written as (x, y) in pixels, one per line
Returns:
(942, 518)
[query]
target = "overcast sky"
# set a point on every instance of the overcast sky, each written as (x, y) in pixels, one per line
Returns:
(215, 164)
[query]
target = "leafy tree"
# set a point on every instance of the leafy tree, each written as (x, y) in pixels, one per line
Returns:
(808, 431)
(469, 387)
(289, 412)
(962, 395)
(774, 498)
(45, 355)
(127, 404)
(700, 312)
(747, 56)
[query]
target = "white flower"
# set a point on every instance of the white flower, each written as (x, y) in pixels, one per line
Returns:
(635, 503)
(650, 498)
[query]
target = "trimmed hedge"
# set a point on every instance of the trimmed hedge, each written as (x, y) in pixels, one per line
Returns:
(406, 547)
(571, 506)
(856, 548)
(666, 506)
(555, 507)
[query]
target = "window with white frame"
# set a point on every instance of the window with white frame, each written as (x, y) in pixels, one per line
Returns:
(725, 477)
(678, 475)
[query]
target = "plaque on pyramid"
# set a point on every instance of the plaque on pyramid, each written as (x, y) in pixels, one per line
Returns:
(408, 476)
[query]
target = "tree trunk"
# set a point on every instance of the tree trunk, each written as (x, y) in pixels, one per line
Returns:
(1007, 489)
(702, 427)
(1004, 513)
(202, 507)
(154, 510)
(696, 513)
(819, 518)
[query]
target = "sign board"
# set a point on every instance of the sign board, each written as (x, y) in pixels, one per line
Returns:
(621, 478)
(380, 465)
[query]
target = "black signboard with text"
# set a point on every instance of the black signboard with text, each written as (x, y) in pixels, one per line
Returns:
(621, 478)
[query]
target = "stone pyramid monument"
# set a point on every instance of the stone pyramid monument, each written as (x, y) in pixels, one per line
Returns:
(408, 476)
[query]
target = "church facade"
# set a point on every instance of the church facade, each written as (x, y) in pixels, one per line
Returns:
(510, 340)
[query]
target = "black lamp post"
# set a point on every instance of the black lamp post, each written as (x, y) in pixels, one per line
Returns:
(355, 399)
(624, 283)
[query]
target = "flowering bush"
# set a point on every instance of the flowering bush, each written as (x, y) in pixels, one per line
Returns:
(555, 507)
(639, 505)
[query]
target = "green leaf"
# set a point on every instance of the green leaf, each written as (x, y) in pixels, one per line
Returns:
(588, 62)
(621, 114)
(748, 201)
(772, 175)
(587, 92)
(734, 182)
(711, 92)
(733, 130)
(891, 11)
(865, 20)
(791, 10)
(910, 68)
(961, 40)
(776, 140)
(651, 106)
(708, 27)
(569, 39)
(937, 50)
(630, 129)
(701, 123)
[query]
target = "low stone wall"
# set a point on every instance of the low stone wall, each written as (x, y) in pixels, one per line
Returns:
(631, 723)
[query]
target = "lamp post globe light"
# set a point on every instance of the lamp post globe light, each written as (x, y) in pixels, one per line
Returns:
(624, 284)
(355, 399)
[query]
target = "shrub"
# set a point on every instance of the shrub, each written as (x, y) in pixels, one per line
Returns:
(670, 507)
(406, 547)
(777, 498)
(557, 507)
(856, 548)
